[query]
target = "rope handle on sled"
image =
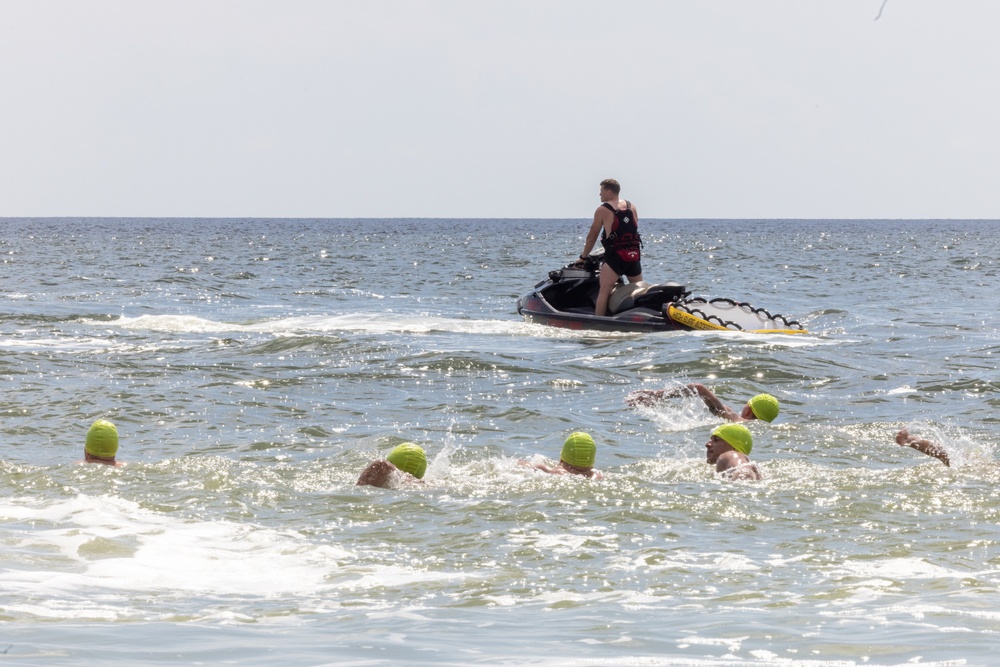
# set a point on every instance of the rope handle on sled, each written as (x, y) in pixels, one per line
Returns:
(686, 305)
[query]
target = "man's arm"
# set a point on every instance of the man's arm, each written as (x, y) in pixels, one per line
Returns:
(540, 466)
(653, 396)
(712, 402)
(929, 447)
(595, 230)
(646, 397)
(377, 473)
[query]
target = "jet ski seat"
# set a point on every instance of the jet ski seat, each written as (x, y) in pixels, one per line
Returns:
(623, 296)
(643, 295)
(659, 295)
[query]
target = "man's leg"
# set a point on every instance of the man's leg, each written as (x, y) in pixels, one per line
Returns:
(608, 279)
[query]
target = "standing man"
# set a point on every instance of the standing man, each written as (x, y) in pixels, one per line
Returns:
(617, 221)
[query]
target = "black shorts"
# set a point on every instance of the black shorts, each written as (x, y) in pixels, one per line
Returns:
(621, 267)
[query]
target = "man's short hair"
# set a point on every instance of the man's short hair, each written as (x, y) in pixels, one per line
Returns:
(612, 185)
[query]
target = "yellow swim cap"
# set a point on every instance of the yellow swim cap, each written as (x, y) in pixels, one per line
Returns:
(764, 406)
(737, 435)
(102, 439)
(579, 450)
(410, 458)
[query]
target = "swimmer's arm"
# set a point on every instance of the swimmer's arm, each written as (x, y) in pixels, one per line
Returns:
(552, 470)
(645, 397)
(377, 473)
(712, 402)
(929, 447)
(653, 396)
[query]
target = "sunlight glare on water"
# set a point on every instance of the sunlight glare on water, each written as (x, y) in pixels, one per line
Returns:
(254, 367)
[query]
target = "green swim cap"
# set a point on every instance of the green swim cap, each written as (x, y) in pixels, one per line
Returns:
(579, 450)
(102, 439)
(410, 458)
(764, 406)
(737, 435)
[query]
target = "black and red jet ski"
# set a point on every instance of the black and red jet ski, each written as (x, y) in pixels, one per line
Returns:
(567, 298)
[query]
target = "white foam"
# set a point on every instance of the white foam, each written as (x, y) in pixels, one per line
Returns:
(63, 344)
(675, 415)
(397, 576)
(381, 322)
(882, 572)
(963, 449)
(141, 550)
(562, 543)
(356, 322)
(174, 324)
(811, 339)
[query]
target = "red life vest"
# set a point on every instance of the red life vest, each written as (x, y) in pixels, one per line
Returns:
(624, 239)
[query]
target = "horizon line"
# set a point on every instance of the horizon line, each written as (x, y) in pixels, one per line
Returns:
(479, 218)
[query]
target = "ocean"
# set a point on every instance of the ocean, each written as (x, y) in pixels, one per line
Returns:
(254, 367)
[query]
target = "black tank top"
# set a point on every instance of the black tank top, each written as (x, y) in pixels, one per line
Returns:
(624, 239)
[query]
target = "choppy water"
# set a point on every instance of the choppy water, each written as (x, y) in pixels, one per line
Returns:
(255, 366)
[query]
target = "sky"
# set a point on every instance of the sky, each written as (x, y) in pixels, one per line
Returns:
(500, 108)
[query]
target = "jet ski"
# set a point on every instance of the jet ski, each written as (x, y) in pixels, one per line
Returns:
(568, 296)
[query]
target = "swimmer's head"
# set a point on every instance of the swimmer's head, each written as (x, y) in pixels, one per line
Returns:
(764, 406)
(737, 436)
(410, 458)
(579, 450)
(102, 439)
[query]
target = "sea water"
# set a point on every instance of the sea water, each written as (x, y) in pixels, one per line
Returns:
(253, 368)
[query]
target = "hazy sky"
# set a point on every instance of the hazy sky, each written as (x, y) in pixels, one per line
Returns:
(500, 108)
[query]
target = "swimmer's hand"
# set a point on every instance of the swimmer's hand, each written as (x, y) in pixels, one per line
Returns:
(645, 397)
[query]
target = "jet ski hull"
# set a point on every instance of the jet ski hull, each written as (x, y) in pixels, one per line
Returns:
(567, 297)
(534, 308)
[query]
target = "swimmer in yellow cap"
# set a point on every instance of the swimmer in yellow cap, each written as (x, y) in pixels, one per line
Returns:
(728, 449)
(577, 458)
(928, 447)
(761, 406)
(101, 445)
(408, 460)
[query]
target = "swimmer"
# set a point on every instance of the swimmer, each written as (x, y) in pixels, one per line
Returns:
(729, 449)
(101, 445)
(928, 447)
(407, 459)
(761, 406)
(577, 458)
